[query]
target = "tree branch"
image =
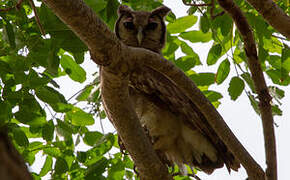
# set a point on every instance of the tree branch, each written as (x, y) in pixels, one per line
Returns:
(260, 85)
(12, 165)
(37, 17)
(274, 15)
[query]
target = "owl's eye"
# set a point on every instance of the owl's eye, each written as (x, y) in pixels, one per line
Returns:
(129, 25)
(151, 26)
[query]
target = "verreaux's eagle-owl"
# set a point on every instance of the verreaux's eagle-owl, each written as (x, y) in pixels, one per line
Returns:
(178, 129)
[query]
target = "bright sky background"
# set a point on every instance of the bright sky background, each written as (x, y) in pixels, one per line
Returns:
(239, 115)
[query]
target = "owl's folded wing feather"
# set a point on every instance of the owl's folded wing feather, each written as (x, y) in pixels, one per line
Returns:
(158, 89)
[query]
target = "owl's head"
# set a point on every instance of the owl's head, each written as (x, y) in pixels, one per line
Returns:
(141, 28)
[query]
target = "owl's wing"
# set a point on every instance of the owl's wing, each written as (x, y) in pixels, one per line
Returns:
(160, 88)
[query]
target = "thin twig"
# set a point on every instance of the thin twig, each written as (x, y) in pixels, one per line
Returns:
(17, 6)
(37, 17)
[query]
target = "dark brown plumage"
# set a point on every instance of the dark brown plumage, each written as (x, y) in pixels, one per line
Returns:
(178, 130)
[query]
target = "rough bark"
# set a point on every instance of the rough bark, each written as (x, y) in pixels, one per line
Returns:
(12, 166)
(274, 15)
(116, 65)
(260, 85)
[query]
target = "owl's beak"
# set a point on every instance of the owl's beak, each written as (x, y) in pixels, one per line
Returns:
(140, 35)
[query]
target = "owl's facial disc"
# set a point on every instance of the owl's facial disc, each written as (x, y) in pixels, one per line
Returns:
(139, 35)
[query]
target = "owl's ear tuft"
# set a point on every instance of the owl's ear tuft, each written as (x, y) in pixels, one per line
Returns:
(161, 11)
(123, 9)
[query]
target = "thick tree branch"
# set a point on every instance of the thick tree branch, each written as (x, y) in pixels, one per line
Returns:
(12, 166)
(274, 15)
(260, 85)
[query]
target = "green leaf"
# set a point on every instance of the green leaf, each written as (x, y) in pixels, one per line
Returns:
(279, 76)
(79, 57)
(5, 112)
(203, 79)
(170, 17)
(64, 128)
(212, 96)
(170, 46)
(80, 118)
(224, 23)
(236, 87)
(117, 169)
(29, 156)
(20, 137)
(53, 98)
(214, 54)
(30, 117)
(272, 45)
(254, 103)
(91, 138)
(84, 95)
(285, 53)
(81, 156)
(52, 151)
(35, 81)
(50, 22)
(97, 169)
(181, 24)
(239, 56)
(186, 49)
(223, 71)
(75, 71)
(35, 176)
(68, 41)
(48, 130)
(103, 115)
(9, 35)
(286, 64)
(247, 77)
(60, 166)
(275, 61)
(185, 62)
(96, 5)
(46, 167)
(204, 24)
(276, 92)
(196, 36)
(49, 95)
(276, 110)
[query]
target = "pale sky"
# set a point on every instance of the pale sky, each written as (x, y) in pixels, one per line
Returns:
(239, 115)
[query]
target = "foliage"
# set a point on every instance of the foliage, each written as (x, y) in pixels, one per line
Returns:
(40, 119)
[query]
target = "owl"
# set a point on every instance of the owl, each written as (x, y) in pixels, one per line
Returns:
(179, 132)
